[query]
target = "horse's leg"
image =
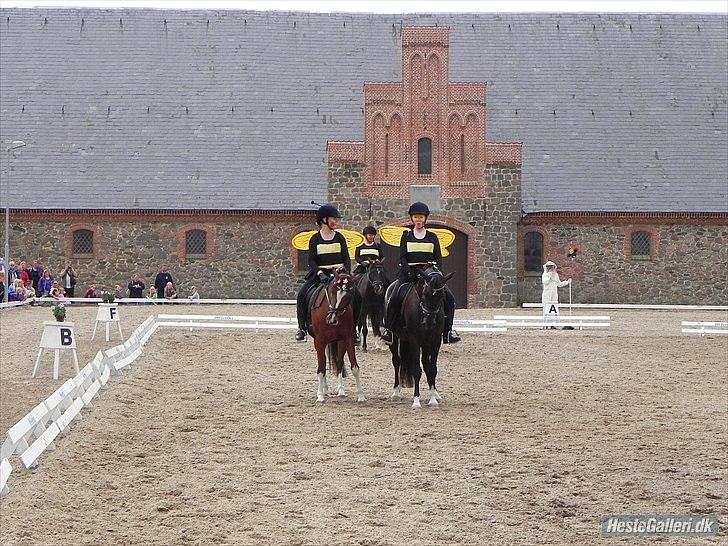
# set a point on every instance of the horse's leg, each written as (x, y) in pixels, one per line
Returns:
(321, 372)
(396, 363)
(351, 353)
(414, 361)
(429, 363)
(339, 355)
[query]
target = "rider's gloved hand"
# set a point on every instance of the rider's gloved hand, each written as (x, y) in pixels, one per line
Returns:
(323, 277)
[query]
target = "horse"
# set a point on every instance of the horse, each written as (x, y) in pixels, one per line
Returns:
(331, 323)
(419, 332)
(371, 286)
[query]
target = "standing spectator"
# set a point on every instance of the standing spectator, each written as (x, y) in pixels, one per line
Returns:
(35, 273)
(91, 292)
(551, 283)
(2, 288)
(23, 273)
(170, 292)
(68, 280)
(160, 281)
(12, 273)
(136, 287)
(45, 283)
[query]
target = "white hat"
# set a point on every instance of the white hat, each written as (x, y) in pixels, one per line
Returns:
(549, 263)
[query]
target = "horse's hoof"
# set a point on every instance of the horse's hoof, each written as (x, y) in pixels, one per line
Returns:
(320, 399)
(395, 397)
(433, 403)
(416, 404)
(361, 399)
(341, 393)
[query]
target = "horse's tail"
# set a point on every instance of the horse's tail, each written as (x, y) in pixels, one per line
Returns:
(331, 354)
(407, 355)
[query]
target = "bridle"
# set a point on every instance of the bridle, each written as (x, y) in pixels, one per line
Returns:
(430, 313)
(336, 310)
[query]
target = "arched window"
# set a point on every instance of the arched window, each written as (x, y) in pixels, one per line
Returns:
(424, 156)
(532, 251)
(641, 244)
(195, 242)
(83, 242)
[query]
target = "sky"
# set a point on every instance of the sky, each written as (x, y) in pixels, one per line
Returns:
(401, 6)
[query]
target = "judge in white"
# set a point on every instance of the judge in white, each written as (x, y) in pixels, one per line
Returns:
(551, 284)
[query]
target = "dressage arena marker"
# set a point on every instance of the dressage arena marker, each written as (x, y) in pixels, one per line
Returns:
(107, 313)
(480, 325)
(56, 336)
(574, 321)
(705, 328)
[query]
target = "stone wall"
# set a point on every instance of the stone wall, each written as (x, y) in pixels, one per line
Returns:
(252, 256)
(688, 265)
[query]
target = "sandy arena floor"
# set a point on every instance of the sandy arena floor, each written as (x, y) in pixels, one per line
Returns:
(214, 438)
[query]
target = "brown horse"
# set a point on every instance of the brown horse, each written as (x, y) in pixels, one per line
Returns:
(331, 322)
(371, 286)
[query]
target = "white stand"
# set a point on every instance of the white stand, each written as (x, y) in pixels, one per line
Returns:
(550, 312)
(57, 336)
(107, 313)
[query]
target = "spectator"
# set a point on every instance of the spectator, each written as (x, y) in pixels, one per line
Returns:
(194, 294)
(16, 291)
(152, 293)
(28, 291)
(12, 273)
(160, 281)
(551, 283)
(44, 284)
(68, 280)
(23, 273)
(118, 293)
(2, 288)
(170, 292)
(35, 273)
(56, 292)
(136, 287)
(91, 292)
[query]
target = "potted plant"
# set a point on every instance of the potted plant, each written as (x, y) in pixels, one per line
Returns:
(107, 297)
(59, 312)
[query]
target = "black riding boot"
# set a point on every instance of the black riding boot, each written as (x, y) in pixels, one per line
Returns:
(301, 311)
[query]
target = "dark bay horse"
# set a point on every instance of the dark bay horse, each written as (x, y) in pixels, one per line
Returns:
(371, 286)
(331, 323)
(419, 332)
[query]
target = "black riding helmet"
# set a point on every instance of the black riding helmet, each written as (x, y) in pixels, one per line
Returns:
(369, 230)
(419, 208)
(327, 211)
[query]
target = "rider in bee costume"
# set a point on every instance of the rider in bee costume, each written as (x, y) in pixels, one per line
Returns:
(418, 249)
(327, 251)
(368, 250)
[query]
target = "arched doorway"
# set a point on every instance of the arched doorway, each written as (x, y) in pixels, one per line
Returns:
(456, 261)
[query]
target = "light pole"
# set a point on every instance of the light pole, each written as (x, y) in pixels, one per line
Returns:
(14, 145)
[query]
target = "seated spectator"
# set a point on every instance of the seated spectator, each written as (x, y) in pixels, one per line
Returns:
(91, 292)
(152, 293)
(170, 292)
(194, 294)
(56, 292)
(118, 293)
(2, 287)
(136, 287)
(45, 283)
(16, 291)
(23, 274)
(29, 291)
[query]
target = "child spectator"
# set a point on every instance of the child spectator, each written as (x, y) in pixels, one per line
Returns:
(170, 292)
(23, 274)
(118, 293)
(56, 292)
(29, 291)
(44, 284)
(91, 292)
(152, 294)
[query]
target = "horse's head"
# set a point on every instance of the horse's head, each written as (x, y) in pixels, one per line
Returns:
(339, 295)
(433, 294)
(377, 277)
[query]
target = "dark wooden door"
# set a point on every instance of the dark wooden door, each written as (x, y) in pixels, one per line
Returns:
(457, 261)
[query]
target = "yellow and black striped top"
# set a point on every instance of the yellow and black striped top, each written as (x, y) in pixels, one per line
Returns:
(327, 255)
(368, 252)
(414, 251)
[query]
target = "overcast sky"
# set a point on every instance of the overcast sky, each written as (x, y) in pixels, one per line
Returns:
(401, 6)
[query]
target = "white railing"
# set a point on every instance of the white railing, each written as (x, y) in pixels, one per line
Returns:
(705, 328)
(562, 321)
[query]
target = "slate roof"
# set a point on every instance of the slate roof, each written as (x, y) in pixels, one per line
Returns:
(232, 109)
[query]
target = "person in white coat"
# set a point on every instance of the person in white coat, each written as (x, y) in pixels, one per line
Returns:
(551, 284)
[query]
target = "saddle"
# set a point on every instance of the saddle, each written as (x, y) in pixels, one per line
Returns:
(397, 292)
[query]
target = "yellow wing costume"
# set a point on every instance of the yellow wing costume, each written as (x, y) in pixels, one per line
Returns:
(353, 239)
(392, 235)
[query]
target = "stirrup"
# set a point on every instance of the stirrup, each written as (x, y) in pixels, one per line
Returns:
(300, 335)
(452, 337)
(387, 336)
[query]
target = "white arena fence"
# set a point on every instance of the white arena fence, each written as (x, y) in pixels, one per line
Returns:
(635, 306)
(705, 328)
(144, 301)
(578, 322)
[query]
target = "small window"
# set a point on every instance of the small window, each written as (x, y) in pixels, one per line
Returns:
(641, 244)
(424, 156)
(83, 242)
(533, 251)
(195, 242)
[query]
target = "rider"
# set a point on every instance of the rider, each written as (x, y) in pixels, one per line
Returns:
(417, 250)
(368, 250)
(327, 251)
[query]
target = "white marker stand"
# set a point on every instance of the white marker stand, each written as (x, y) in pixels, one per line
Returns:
(107, 313)
(57, 336)
(550, 312)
